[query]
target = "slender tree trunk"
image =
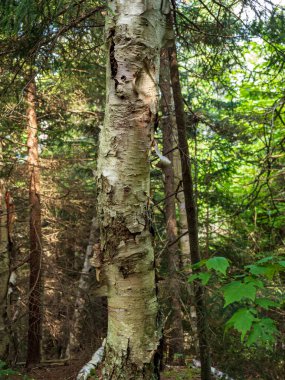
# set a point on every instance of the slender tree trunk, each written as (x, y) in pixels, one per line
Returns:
(35, 295)
(191, 213)
(182, 217)
(12, 296)
(176, 339)
(134, 36)
(184, 246)
(4, 270)
(185, 259)
(74, 346)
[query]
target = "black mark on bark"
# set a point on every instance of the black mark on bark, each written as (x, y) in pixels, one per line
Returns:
(113, 62)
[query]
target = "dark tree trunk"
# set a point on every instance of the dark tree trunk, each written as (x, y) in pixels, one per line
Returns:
(35, 295)
(175, 338)
(191, 212)
(74, 345)
(4, 271)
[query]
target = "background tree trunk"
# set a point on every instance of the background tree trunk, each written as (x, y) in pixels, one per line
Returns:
(35, 296)
(182, 217)
(4, 269)
(191, 213)
(134, 37)
(175, 339)
(73, 345)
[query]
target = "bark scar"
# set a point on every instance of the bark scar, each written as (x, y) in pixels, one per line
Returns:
(113, 61)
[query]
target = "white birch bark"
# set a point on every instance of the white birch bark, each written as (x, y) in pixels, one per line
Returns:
(135, 29)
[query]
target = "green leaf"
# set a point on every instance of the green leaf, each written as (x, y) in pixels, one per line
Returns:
(266, 303)
(282, 263)
(219, 264)
(242, 321)
(193, 277)
(237, 290)
(255, 281)
(199, 264)
(264, 260)
(257, 270)
(264, 332)
(203, 276)
(267, 271)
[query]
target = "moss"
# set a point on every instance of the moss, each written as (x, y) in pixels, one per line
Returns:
(181, 374)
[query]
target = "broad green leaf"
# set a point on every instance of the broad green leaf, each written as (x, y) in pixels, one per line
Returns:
(257, 270)
(255, 281)
(264, 260)
(266, 303)
(242, 321)
(264, 332)
(282, 263)
(219, 264)
(236, 291)
(203, 276)
(267, 271)
(193, 277)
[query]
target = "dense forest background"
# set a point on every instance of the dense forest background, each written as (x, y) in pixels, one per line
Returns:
(231, 59)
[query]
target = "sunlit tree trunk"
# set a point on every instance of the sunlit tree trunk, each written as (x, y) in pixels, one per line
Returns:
(191, 212)
(175, 339)
(134, 37)
(36, 252)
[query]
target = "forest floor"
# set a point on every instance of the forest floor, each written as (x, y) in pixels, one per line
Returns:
(70, 371)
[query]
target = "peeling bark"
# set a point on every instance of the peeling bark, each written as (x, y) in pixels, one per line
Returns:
(35, 260)
(134, 31)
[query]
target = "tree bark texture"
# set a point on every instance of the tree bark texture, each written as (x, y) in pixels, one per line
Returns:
(175, 338)
(134, 32)
(191, 212)
(36, 252)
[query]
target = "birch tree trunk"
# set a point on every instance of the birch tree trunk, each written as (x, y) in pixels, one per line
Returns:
(135, 29)
(176, 340)
(35, 295)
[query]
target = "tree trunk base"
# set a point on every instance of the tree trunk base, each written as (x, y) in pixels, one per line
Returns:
(119, 366)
